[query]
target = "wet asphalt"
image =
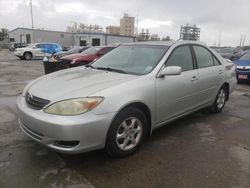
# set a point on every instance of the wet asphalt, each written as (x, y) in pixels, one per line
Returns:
(200, 150)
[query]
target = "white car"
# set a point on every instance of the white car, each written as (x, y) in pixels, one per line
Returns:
(37, 50)
(119, 99)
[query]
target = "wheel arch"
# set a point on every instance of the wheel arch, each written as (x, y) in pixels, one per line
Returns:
(29, 53)
(226, 86)
(145, 109)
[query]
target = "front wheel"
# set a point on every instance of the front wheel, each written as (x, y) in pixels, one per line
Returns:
(220, 100)
(127, 132)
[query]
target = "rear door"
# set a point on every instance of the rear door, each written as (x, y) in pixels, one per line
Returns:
(210, 71)
(177, 94)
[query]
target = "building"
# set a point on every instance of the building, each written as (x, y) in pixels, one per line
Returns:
(67, 39)
(190, 32)
(144, 35)
(127, 25)
(154, 37)
(113, 30)
(25, 35)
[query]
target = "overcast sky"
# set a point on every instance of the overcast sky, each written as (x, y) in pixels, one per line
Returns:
(164, 17)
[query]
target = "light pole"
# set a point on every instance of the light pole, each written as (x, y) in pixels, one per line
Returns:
(31, 12)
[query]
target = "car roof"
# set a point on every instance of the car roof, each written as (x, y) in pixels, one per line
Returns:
(169, 43)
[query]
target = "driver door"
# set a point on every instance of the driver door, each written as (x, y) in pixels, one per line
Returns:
(177, 94)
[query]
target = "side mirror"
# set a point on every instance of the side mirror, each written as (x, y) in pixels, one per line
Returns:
(170, 71)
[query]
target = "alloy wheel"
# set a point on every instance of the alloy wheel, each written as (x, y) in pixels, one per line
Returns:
(129, 133)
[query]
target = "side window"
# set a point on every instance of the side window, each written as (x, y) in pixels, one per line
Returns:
(203, 56)
(39, 46)
(181, 57)
(216, 62)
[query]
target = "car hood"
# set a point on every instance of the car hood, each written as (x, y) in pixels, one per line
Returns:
(74, 56)
(75, 82)
(242, 62)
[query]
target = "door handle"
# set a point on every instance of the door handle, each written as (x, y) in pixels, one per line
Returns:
(194, 78)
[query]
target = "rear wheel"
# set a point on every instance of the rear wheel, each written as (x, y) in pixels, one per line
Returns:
(127, 132)
(220, 100)
(27, 55)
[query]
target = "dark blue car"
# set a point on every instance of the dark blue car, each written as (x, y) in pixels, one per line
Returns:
(243, 67)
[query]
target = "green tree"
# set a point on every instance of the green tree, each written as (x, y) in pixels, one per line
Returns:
(4, 33)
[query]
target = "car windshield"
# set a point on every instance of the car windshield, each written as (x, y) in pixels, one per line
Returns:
(91, 50)
(132, 59)
(245, 57)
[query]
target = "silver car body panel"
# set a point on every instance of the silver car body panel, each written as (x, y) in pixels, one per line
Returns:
(167, 99)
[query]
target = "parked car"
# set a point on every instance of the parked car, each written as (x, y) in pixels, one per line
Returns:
(74, 50)
(243, 67)
(118, 100)
(85, 57)
(14, 45)
(37, 50)
(230, 53)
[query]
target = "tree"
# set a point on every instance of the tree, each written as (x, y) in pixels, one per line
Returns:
(4, 33)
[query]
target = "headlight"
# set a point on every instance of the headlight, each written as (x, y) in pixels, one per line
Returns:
(73, 107)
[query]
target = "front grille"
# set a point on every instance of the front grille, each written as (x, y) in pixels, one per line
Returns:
(35, 102)
(246, 69)
(65, 61)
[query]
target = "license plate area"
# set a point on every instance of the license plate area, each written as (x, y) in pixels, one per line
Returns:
(242, 76)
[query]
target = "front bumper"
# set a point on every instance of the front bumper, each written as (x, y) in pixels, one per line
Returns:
(18, 53)
(86, 132)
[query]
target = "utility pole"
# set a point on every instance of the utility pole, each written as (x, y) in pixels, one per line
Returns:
(243, 42)
(240, 40)
(137, 26)
(31, 12)
(219, 42)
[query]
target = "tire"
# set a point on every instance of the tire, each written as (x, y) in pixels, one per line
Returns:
(219, 101)
(126, 133)
(27, 56)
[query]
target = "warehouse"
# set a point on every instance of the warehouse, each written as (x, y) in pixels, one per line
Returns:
(66, 39)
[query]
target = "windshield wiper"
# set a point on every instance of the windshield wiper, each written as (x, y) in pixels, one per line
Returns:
(111, 69)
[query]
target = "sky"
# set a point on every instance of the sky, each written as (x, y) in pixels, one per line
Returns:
(230, 18)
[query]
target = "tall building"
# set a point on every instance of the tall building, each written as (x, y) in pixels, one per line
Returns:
(190, 32)
(127, 25)
(113, 30)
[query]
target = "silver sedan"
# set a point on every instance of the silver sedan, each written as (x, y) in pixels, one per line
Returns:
(118, 100)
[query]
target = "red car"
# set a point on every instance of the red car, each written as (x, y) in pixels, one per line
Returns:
(85, 57)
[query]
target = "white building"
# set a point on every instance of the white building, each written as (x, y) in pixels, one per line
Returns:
(127, 25)
(67, 39)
